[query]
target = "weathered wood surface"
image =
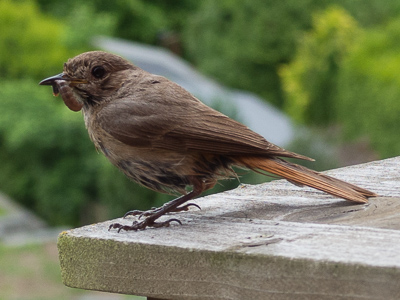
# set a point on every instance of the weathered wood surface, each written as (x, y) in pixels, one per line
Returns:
(270, 241)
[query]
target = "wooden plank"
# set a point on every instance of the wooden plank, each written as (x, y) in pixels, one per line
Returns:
(271, 241)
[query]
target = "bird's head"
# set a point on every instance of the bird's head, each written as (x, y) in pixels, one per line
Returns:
(90, 78)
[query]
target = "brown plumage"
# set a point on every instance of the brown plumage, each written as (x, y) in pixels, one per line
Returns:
(164, 138)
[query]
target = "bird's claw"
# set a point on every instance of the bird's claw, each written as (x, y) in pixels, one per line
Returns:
(149, 213)
(186, 207)
(142, 225)
(134, 213)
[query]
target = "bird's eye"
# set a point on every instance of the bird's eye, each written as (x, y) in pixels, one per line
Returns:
(98, 71)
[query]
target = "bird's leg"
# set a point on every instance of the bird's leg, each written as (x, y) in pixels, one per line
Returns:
(153, 215)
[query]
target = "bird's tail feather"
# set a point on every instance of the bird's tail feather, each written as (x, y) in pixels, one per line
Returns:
(303, 176)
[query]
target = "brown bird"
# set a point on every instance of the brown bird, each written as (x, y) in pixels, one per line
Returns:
(164, 138)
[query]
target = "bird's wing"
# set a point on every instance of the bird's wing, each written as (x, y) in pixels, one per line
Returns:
(169, 117)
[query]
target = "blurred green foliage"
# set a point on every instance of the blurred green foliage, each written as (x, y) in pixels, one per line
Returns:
(347, 75)
(243, 43)
(138, 20)
(82, 22)
(44, 152)
(310, 80)
(369, 89)
(31, 43)
(231, 39)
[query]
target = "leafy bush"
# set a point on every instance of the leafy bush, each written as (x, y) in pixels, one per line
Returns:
(345, 75)
(242, 43)
(82, 22)
(138, 20)
(310, 80)
(41, 161)
(30, 42)
(369, 80)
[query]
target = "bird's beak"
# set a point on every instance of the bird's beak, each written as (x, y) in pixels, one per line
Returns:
(61, 76)
(52, 81)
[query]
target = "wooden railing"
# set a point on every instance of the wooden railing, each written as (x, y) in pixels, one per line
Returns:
(269, 241)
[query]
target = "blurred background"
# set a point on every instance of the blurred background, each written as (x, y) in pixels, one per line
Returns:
(317, 77)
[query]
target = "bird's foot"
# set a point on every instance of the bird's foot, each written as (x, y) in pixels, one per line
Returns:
(148, 222)
(156, 210)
